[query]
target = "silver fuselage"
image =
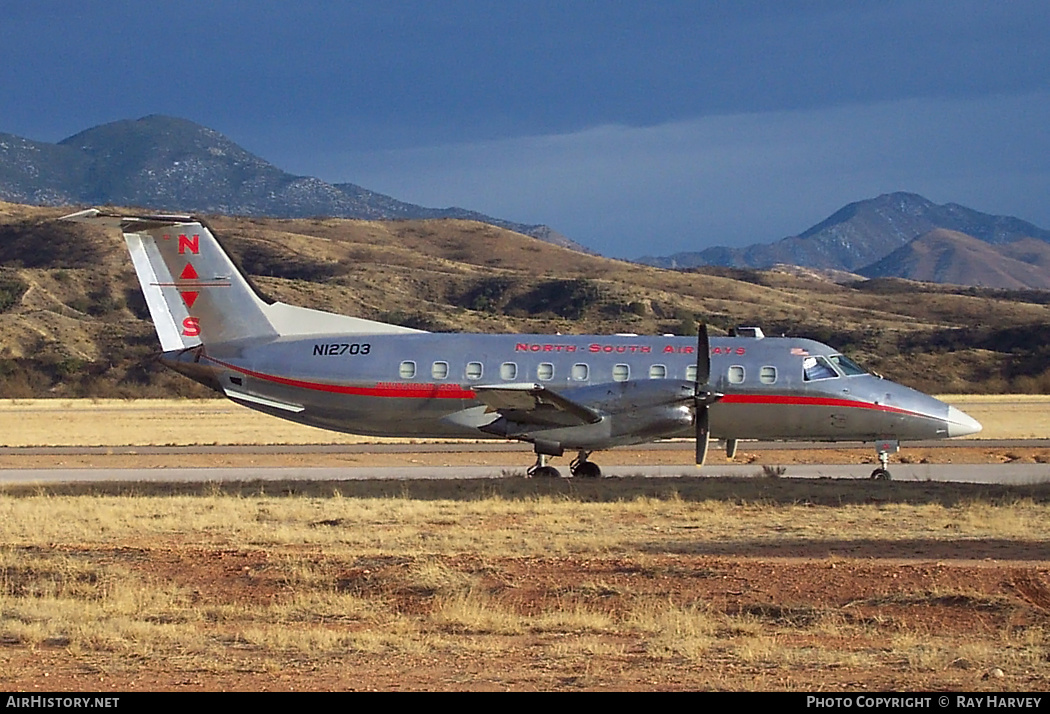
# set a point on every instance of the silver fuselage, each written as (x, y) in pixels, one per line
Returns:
(423, 385)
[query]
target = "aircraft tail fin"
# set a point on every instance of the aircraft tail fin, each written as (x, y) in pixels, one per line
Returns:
(194, 292)
(197, 295)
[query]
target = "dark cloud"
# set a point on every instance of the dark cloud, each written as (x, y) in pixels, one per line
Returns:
(465, 80)
(737, 179)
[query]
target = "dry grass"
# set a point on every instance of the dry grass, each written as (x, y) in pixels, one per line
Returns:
(117, 422)
(528, 526)
(186, 583)
(1006, 416)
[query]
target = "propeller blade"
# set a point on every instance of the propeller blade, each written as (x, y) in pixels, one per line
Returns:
(703, 356)
(703, 434)
(703, 397)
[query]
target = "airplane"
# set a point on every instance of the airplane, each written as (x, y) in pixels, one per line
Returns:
(581, 393)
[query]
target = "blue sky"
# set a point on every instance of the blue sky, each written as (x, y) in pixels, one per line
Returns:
(632, 127)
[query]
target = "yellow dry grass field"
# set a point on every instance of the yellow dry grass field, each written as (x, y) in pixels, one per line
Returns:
(143, 422)
(469, 588)
(1006, 416)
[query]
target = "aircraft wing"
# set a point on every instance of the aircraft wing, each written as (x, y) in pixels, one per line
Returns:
(529, 403)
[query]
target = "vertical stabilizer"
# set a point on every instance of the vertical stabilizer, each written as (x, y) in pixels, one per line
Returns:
(194, 291)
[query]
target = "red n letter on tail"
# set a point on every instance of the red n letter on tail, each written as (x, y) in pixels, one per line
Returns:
(194, 244)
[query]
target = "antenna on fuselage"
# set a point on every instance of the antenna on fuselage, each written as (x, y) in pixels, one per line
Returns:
(703, 397)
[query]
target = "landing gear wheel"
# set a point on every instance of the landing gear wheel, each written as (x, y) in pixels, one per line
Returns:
(583, 468)
(884, 447)
(586, 469)
(540, 469)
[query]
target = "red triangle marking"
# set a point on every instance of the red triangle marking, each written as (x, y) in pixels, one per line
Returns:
(189, 297)
(188, 273)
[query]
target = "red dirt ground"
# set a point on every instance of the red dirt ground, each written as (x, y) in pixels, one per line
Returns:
(970, 594)
(888, 593)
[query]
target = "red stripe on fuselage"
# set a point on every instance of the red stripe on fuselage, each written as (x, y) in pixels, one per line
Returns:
(406, 390)
(793, 400)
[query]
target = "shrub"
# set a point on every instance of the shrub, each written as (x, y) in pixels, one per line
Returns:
(12, 288)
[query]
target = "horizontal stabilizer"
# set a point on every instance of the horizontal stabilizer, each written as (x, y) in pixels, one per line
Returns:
(127, 224)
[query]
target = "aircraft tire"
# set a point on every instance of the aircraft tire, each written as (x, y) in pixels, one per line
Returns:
(587, 469)
(881, 474)
(546, 472)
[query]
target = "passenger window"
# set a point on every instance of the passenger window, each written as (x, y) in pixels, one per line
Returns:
(545, 371)
(474, 370)
(814, 368)
(736, 374)
(439, 370)
(407, 370)
(767, 375)
(621, 372)
(580, 372)
(508, 371)
(657, 371)
(690, 373)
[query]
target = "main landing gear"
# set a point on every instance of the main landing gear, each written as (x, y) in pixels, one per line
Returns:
(583, 468)
(579, 467)
(541, 469)
(884, 449)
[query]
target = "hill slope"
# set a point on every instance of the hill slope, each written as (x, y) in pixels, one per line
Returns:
(73, 321)
(944, 256)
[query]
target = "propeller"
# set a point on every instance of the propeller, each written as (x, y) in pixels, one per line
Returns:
(703, 397)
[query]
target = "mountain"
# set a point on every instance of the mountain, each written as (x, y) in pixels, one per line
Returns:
(166, 163)
(861, 234)
(943, 256)
(35, 172)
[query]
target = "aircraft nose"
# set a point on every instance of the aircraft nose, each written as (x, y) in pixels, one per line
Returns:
(961, 424)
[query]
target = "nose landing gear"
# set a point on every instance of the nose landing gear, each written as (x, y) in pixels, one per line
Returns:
(884, 449)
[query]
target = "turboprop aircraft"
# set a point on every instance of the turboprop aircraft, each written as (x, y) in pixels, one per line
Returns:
(581, 393)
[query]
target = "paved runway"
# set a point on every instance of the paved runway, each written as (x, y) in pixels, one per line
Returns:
(481, 447)
(959, 473)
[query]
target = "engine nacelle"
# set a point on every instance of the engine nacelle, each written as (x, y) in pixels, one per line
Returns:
(639, 395)
(654, 422)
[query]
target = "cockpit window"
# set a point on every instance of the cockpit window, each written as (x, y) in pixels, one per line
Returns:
(847, 366)
(814, 368)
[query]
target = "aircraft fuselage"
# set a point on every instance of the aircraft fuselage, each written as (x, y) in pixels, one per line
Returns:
(424, 385)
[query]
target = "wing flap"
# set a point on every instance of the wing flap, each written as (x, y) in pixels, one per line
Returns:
(530, 403)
